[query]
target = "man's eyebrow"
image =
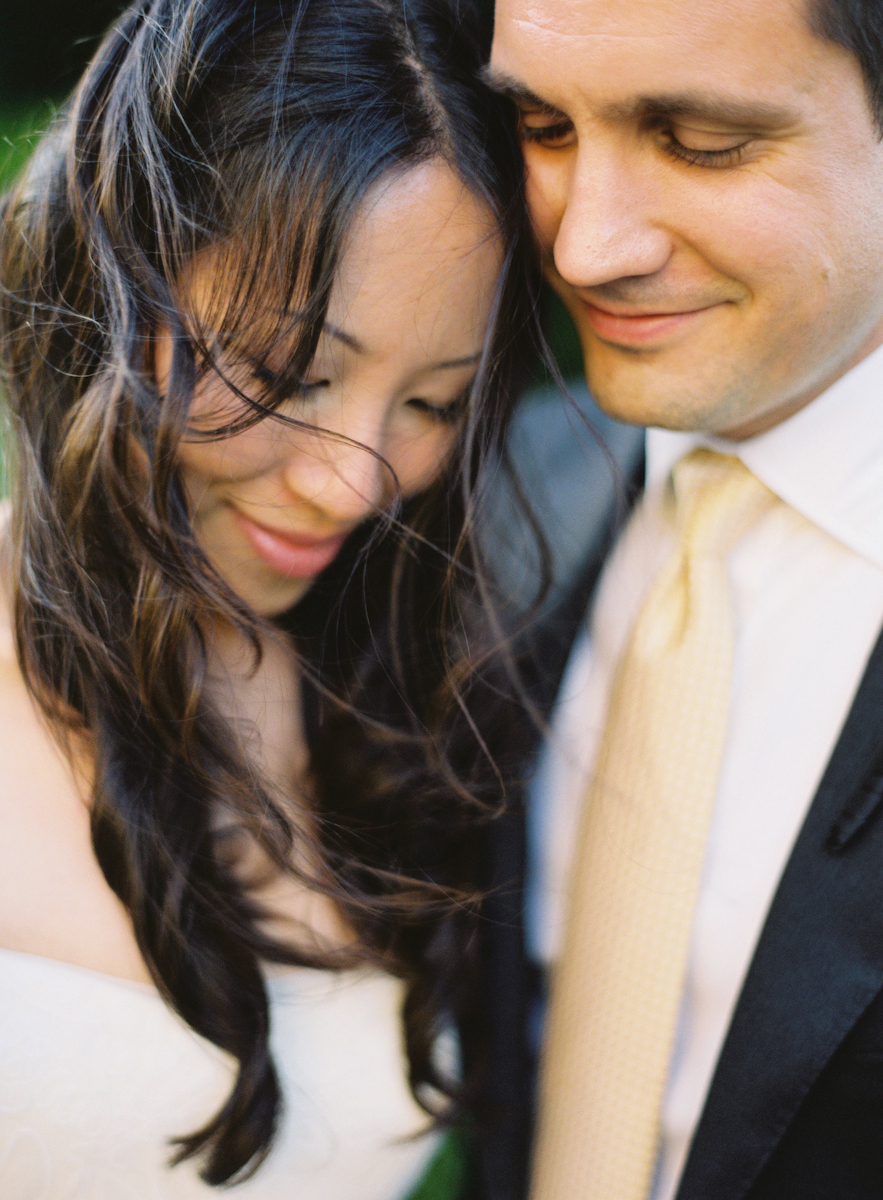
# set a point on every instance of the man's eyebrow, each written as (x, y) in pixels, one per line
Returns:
(515, 90)
(751, 114)
(747, 114)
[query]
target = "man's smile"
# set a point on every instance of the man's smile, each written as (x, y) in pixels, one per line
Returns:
(640, 327)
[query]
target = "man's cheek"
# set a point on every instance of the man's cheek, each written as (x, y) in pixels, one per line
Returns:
(545, 205)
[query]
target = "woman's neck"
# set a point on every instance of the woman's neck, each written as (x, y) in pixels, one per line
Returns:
(262, 703)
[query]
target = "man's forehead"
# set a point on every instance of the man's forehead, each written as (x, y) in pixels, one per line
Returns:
(632, 19)
(684, 56)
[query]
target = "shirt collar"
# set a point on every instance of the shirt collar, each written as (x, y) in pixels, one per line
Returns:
(826, 461)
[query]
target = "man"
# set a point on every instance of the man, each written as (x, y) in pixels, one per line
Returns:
(706, 182)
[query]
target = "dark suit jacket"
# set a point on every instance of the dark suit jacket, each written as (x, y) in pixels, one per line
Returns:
(795, 1108)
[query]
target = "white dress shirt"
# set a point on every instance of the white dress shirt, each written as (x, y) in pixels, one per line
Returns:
(807, 587)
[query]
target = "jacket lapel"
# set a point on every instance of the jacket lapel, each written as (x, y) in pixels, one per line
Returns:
(817, 966)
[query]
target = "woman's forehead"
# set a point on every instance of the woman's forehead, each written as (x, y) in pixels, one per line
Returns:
(419, 267)
(423, 255)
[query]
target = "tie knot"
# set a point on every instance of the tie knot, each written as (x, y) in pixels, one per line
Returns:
(716, 498)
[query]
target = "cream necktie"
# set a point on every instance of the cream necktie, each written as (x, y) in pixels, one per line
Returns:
(616, 993)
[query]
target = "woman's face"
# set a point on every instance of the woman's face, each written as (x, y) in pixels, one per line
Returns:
(272, 505)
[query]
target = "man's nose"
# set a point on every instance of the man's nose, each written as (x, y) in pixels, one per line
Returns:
(609, 228)
(340, 473)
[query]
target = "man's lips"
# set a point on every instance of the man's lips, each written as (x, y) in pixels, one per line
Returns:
(295, 556)
(639, 328)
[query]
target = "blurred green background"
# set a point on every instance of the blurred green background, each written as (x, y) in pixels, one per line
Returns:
(44, 45)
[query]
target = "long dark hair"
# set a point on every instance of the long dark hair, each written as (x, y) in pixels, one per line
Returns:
(256, 127)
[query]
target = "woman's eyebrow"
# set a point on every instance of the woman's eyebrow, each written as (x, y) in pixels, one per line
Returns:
(353, 343)
(341, 335)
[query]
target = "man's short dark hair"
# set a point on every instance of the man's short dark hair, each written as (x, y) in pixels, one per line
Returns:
(858, 26)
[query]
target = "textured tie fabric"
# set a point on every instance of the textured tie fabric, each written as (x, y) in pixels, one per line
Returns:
(616, 994)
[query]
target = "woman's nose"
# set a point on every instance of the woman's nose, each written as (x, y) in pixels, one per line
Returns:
(343, 475)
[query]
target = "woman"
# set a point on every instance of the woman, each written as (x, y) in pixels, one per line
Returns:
(263, 297)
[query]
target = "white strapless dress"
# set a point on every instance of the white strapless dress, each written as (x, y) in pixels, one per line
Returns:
(96, 1074)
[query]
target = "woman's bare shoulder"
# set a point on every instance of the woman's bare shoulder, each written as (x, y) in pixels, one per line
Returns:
(26, 745)
(7, 645)
(54, 900)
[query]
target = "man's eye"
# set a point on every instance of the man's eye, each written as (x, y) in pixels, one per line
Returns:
(725, 156)
(552, 134)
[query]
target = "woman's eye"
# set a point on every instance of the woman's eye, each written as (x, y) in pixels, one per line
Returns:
(540, 131)
(275, 384)
(444, 414)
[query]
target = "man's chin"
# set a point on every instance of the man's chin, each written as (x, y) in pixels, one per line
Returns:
(646, 393)
(634, 407)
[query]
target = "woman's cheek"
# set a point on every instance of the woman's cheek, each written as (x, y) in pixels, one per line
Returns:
(226, 460)
(419, 461)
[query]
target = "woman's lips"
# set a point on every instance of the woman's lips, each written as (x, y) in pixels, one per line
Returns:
(294, 557)
(638, 329)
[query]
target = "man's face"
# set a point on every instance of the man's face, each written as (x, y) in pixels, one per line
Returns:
(706, 182)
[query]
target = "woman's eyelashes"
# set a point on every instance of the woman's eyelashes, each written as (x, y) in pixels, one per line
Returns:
(447, 413)
(277, 385)
(444, 414)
